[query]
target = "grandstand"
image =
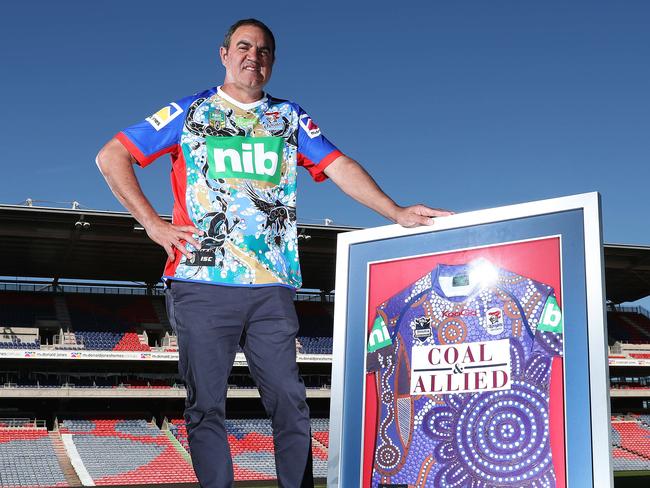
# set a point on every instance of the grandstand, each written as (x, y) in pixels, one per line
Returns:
(87, 350)
(88, 380)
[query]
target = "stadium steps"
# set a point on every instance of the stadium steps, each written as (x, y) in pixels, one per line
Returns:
(178, 446)
(62, 313)
(634, 452)
(64, 461)
(317, 444)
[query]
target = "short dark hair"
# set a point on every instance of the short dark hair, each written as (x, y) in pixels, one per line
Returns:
(254, 22)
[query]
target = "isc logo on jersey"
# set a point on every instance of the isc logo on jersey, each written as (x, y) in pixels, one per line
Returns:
(250, 158)
(164, 116)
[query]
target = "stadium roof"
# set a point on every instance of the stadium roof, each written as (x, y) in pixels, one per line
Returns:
(40, 242)
(627, 272)
(54, 243)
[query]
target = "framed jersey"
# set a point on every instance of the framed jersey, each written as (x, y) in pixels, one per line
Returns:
(473, 353)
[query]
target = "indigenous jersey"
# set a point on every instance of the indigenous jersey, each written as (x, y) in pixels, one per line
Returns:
(234, 177)
(462, 362)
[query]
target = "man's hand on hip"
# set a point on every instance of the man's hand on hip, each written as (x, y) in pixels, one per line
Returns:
(116, 165)
(171, 236)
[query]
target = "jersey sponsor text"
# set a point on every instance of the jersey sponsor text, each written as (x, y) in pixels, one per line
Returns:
(460, 368)
(245, 157)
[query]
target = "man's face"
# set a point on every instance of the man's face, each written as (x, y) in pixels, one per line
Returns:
(249, 59)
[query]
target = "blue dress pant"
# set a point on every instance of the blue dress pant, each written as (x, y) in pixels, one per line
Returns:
(209, 321)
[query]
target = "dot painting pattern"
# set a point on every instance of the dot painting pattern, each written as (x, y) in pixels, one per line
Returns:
(486, 439)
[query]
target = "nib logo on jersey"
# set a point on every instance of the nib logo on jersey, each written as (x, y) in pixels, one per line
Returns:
(460, 368)
(249, 158)
(379, 336)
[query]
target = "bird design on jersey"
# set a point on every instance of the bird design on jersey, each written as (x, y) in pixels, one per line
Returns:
(219, 229)
(277, 214)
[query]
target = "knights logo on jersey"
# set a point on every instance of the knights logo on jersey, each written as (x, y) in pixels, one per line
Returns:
(164, 116)
(273, 122)
(422, 328)
(494, 324)
(309, 126)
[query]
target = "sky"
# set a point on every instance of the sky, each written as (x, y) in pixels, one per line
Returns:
(462, 105)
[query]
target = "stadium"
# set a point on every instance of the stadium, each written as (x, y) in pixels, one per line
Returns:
(90, 389)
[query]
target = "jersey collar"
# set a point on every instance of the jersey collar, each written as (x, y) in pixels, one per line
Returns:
(243, 106)
(480, 272)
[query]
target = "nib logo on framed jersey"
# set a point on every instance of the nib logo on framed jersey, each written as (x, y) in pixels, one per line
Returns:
(454, 347)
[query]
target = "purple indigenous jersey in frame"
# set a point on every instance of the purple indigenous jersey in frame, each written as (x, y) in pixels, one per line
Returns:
(462, 361)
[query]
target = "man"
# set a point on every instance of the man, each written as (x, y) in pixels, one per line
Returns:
(232, 266)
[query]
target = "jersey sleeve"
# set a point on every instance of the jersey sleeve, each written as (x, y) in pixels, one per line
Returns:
(315, 152)
(545, 319)
(551, 317)
(381, 338)
(157, 134)
(550, 328)
(380, 343)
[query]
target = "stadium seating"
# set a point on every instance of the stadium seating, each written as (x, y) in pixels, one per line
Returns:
(108, 322)
(53, 379)
(21, 309)
(126, 452)
(177, 427)
(315, 318)
(150, 383)
(111, 341)
(109, 312)
(320, 446)
(4, 423)
(251, 446)
(629, 327)
(16, 343)
(27, 456)
(131, 342)
(640, 355)
(631, 443)
(315, 345)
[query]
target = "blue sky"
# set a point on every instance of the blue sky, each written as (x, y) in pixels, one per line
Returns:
(463, 105)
